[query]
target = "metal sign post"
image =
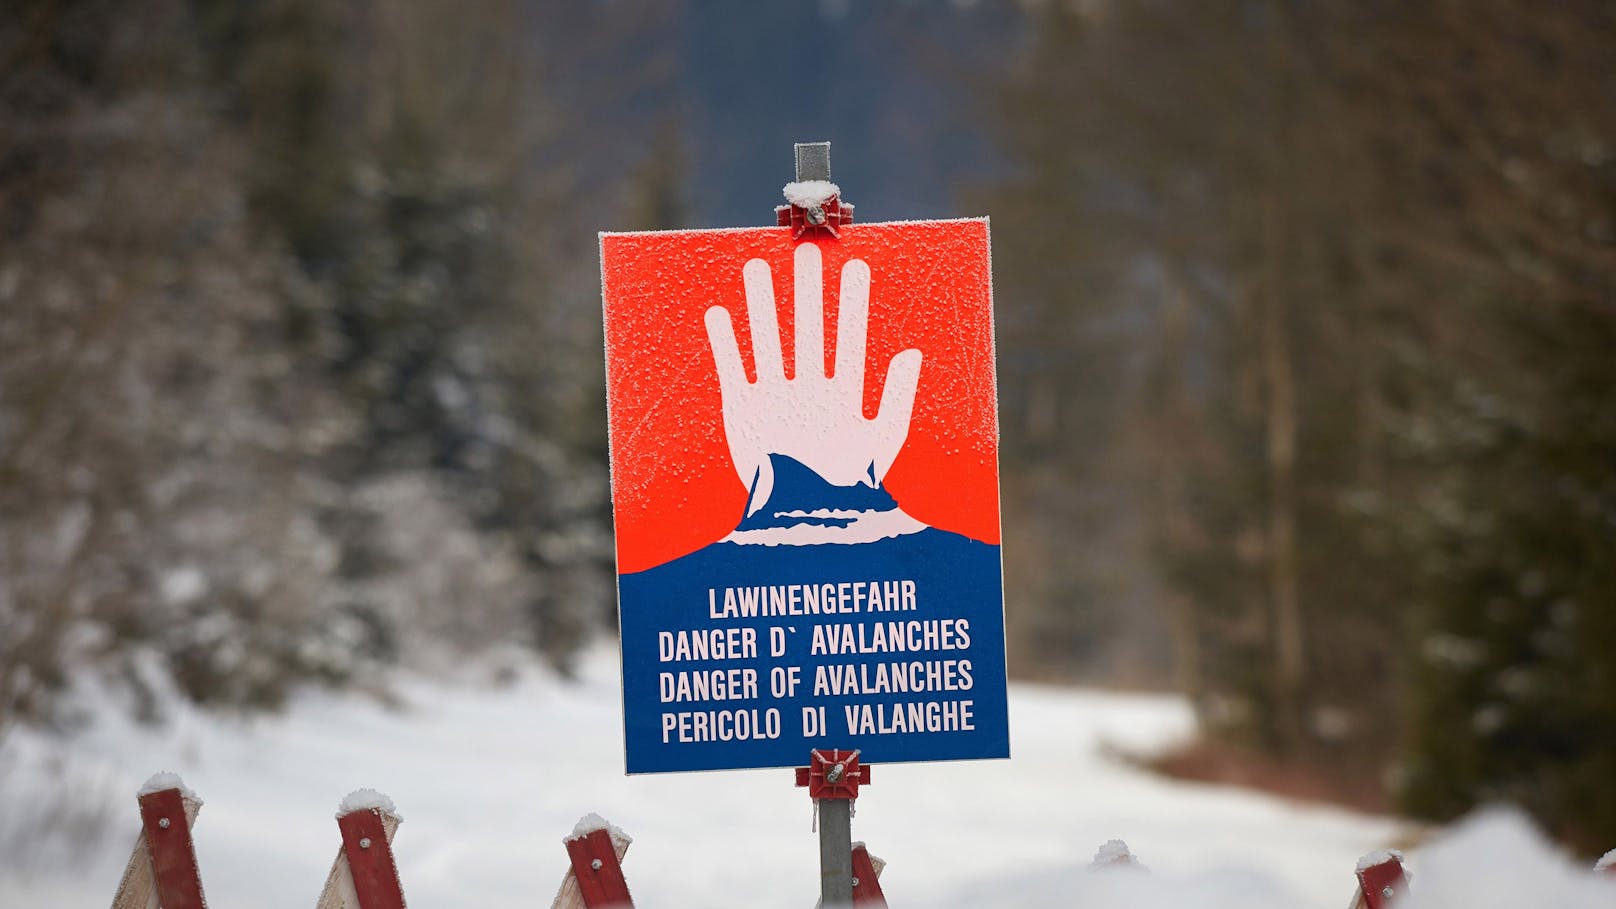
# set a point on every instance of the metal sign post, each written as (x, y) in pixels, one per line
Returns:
(826, 777)
(833, 778)
(836, 852)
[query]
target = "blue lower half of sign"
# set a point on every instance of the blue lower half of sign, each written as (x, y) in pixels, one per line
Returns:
(751, 655)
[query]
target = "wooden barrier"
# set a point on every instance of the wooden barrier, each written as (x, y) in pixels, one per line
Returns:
(162, 870)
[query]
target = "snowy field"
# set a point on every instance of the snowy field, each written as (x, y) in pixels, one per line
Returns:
(489, 780)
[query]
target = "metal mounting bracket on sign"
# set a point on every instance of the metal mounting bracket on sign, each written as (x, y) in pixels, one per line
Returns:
(833, 774)
(816, 209)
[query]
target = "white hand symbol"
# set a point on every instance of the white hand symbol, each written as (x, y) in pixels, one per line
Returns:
(814, 418)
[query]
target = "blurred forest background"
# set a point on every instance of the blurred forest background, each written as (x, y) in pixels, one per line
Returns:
(1307, 339)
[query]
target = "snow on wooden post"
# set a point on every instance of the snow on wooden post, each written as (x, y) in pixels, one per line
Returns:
(1115, 854)
(595, 879)
(1381, 880)
(1607, 863)
(162, 868)
(867, 878)
(364, 874)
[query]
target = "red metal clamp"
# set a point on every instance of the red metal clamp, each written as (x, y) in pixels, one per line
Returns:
(816, 210)
(825, 219)
(833, 774)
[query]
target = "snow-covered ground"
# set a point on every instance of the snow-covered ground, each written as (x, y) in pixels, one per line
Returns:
(490, 780)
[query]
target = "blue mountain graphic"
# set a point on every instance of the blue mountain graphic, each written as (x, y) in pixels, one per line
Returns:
(799, 490)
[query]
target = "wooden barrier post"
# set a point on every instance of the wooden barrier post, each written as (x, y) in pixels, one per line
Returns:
(364, 874)
(1381, 880)
(867, 878)
(162, 869)
(595, 880)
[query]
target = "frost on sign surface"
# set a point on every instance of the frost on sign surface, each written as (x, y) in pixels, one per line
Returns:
(805, 491)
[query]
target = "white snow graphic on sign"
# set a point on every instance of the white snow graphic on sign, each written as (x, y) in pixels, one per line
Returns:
(803, 510)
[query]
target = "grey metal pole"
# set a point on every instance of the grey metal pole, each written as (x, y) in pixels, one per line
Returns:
(835, 815)
(813, 161)
(835, 852)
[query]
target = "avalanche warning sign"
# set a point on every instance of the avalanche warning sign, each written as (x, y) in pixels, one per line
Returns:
(804, 452)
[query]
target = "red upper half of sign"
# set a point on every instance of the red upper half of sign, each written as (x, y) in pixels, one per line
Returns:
(674, 486)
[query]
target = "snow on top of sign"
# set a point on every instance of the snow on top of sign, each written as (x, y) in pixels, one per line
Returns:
(1608, 860)
(1379, 857)
(365, 800)
(591, 822)
(164, 779)
(604, 235)
(809, 193)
